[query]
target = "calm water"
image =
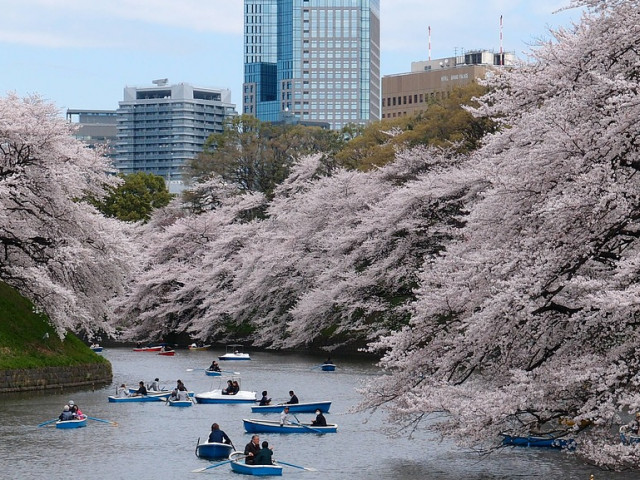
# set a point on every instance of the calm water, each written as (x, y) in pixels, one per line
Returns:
(153, 440)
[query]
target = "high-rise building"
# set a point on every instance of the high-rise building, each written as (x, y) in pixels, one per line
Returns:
(315, 60)
(161, 128)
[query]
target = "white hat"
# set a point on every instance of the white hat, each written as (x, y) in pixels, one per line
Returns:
(71, 404)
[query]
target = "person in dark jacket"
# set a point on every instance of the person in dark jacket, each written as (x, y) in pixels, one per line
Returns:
(218, 436)
(264, 456)
(320, 421)
(293, 398)
(251, 449)
(142, 390)
(66, 414)
(264, 400)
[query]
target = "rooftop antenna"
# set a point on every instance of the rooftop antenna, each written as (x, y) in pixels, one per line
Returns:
(429, 42)
(501, 57)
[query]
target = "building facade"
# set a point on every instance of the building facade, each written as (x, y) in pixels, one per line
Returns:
(315, 60)
(96, 128)
(161, 128)
(407, 94)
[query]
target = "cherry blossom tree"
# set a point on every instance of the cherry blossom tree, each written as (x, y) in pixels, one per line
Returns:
(529, 319)
(57, 250)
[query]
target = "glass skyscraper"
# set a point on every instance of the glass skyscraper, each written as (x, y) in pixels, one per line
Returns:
(315, 60)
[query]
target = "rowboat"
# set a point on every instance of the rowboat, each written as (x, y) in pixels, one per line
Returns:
(238, 466)
(271, 426)
(193, 346)
(308, 407)
(168, 353)
(544, 440)
(216, 396)
(328, 367)
(155, 397)
(81, 422)
(180, 403)
(96, 348)
(212, 373)
(628, 438)
(213, 450)
(235, 352)
(132, 390)
(157, 348)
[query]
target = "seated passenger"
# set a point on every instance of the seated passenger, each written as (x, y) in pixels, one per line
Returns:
(66, 414)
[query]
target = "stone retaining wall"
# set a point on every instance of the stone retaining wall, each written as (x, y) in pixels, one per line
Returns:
(48, 378)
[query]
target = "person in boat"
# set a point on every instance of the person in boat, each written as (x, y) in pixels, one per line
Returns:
(66, 414)
(293, 399)
(214, 367)
(633, 427)
(142, 390)
(251, 449)
(180, 386)
(175, 394)
(264, 400)
(264, 456)
(123, 391)
(218, 436)
(284, 417)
(328, 361)
(320, 421)
(236, 387)
(77, 413)
(155, 385)
(229, 389)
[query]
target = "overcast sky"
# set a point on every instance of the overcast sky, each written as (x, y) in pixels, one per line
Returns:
(82, 53)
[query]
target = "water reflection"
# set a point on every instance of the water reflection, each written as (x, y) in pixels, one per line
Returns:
(155, 440)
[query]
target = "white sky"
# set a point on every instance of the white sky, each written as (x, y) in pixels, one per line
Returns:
(81, 54)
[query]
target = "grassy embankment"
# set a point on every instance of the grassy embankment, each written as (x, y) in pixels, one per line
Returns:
(24, 342)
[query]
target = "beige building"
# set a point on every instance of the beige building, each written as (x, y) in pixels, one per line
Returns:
(407, 94)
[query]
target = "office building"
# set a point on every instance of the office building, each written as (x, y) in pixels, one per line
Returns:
(163, 127)
(407, 94)
(315, 60)
(96, 128)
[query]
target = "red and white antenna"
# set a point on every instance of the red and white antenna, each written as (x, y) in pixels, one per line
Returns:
(429, 42)
(501, 57)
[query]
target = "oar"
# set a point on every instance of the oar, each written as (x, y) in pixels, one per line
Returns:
(317, 366)
(308, 469)
(197, 444)
(115, 424)
(198, 470)
(230, 372)
(47, 422)
(307, 427)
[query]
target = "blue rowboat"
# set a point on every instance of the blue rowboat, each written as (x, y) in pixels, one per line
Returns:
(212, 373)
(180, 403)
(216, 396)
(72, 423)
(328, 367)
(238, 466)
(309, 407)
(96, 348)
(156, 397)
(213, 450)
(628, 438)
(544, 441)
(270, 426)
